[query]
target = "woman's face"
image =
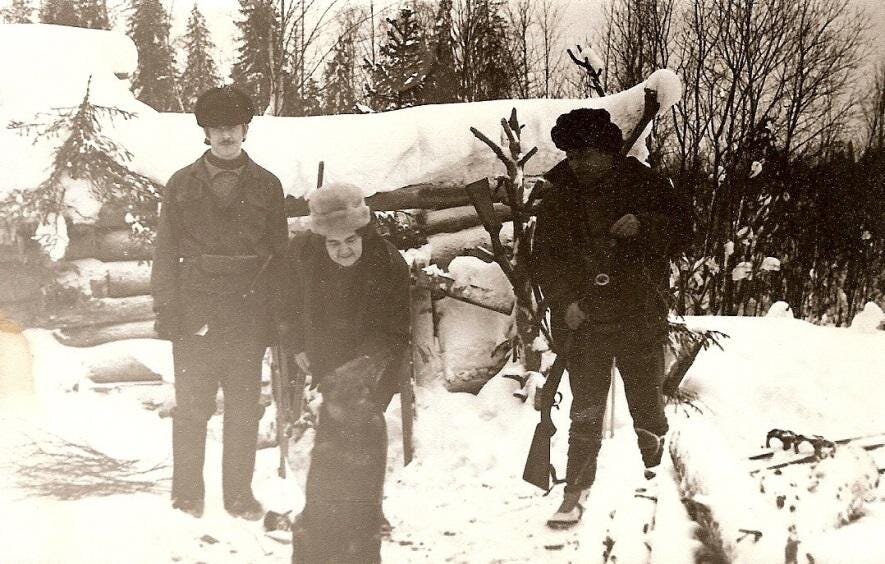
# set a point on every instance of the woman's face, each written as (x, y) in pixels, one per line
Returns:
(344, 248)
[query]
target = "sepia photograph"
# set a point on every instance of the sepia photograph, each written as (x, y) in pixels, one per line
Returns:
(467, 281)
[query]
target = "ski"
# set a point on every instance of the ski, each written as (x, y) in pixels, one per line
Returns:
(792, 452)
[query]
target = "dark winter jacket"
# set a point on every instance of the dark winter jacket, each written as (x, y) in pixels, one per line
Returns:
(219, 263)
(338, 314)
(573, 247)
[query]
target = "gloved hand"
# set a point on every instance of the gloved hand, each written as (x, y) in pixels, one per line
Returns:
(626, 227)
(302, 361)
(574, 316)
(168, 323)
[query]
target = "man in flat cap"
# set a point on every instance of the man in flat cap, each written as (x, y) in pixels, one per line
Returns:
(600, 257)
(216, 281)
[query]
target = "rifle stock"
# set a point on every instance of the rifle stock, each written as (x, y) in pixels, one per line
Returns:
(537, 469)
(480, 194)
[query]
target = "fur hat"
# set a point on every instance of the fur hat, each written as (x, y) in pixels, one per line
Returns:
(587, 127)
(337, 207)
(223, 106)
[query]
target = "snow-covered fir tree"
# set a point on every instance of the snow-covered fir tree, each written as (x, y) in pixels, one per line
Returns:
(154, 79)
(93, 14)
(306, 101)
(492, 71)
(200, 71)
(59, 12)
(87, 154)
(257, 51)
(400, 75)
(20, 11)
(78, 13)
(442, 84)
(341, 90)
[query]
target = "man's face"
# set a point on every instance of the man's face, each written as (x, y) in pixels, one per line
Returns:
(589, 163)
(226, 140)
(345, 248)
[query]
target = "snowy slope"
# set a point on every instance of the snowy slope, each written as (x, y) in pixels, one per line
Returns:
(462, 500)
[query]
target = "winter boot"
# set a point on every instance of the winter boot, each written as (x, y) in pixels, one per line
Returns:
(651, 447)
(193, 507)
(246, 507)
(570, 510)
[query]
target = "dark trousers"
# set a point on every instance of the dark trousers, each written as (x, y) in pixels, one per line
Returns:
(641, 365)
(201, 365)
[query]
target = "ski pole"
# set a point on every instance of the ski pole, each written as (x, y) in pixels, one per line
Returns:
(611, 406)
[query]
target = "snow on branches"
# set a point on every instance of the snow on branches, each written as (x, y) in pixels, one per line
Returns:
(85, 155)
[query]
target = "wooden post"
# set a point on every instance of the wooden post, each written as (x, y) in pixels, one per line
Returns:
(425, 357)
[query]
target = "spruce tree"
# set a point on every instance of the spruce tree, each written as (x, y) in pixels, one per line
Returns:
(154, 79)
(495, 70)
(252, 70)
(78, 13)
(59, 12)
(400, 75)
(93, 14)
(442, 85)
(307, 102)
(200, 72)
(20, 11)
(85, 153)
(340, 92)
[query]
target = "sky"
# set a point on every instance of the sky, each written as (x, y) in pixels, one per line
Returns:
(221, 15)
(580, 18)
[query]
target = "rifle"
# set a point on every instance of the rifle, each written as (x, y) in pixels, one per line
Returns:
(288, 393)
(480, 194)
(538, 469)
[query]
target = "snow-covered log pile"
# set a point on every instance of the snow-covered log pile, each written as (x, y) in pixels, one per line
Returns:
(415, 160)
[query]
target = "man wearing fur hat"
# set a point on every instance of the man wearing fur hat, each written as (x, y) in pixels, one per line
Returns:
(600, 257)
(217, 270)
(348, 304)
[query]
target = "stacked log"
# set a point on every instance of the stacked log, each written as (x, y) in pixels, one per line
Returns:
(116, 267)
(108, 245)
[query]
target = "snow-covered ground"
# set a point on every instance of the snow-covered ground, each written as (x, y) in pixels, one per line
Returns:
(462, 499)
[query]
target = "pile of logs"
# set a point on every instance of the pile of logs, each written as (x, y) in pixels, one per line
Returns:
(114, 268)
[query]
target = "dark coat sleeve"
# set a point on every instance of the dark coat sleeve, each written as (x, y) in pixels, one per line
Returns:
(389, 324)
(164, 268)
